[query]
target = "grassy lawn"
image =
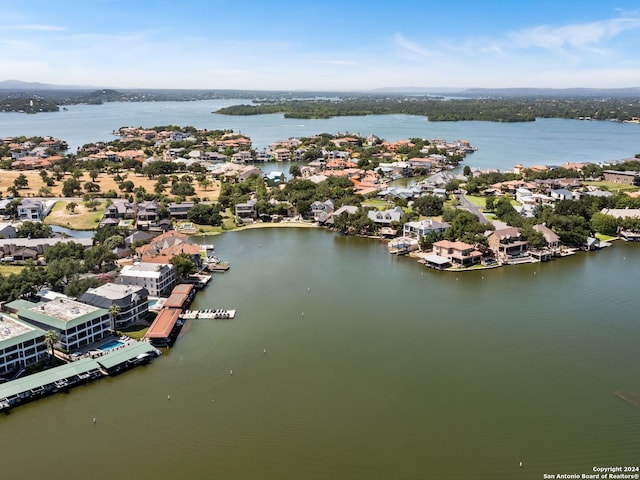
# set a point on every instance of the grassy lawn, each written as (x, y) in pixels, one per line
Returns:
(477, 201)
(613, 187)
(377, 203)
(9, 269)
(605, 238)
(134, 331)
(82, 219)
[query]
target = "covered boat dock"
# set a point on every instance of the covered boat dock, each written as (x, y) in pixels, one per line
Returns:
(66, 376)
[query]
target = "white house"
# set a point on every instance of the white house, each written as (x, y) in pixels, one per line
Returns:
(32, 210)
(423, 228)
(157, 278)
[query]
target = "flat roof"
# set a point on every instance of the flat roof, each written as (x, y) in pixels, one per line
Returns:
(436, 259)
(115, 291)
(164, 323)
(13, 332)
(60, 313)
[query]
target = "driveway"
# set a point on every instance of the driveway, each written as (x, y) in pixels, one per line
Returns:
(467, 205)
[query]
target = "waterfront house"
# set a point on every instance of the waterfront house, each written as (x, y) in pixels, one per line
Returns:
(21, 345)
(551, 238)
(507, 243)
(157, 278)
(121, 210)
(32, 210)
(180, 210)
(246, 211)
(321, 211)
(77, 324)
(131, 300)
(458, 253)
(421, 229)
(148, 215)
(386, 217)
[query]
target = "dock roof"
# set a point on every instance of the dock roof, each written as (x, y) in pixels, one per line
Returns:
(47, 377)
(164, 323)
(126, 353)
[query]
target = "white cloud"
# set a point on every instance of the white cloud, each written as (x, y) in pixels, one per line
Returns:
(335, 62)
(33, 28)
(577, 35)
(412, 48)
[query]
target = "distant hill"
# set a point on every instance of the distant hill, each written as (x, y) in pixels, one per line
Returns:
(19, 85)
(552, 92)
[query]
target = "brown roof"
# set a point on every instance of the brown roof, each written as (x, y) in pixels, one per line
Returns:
(176, 300)
(164, 323)
(183, 288)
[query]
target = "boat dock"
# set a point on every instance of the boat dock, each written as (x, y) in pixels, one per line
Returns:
(218, 314)
(66, 376)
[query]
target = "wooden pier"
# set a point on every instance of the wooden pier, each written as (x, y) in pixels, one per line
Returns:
(218, 314)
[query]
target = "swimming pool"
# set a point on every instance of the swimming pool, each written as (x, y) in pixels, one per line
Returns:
(112, 345)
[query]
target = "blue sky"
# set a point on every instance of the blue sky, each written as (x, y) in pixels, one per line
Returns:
(321, 45)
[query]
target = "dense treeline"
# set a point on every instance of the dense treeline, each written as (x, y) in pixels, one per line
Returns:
(488, 109)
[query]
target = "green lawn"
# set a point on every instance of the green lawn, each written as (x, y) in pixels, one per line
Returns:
(83, 219)
(134, 331)
(613, 187)
(9, 269)
(605, 238)
(477, 200)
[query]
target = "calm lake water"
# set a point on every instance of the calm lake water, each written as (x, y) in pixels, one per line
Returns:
(376, 368)
(500, 145)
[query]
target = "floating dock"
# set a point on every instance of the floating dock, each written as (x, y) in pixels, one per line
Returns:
(218, 314)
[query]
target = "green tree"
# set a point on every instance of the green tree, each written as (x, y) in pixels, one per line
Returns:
(127, 186)
(28, 229)
(114, 312)
(21, 181)
(184, 265)
(50, 339)
(71, 207)
(428, 205)
(204, 214)
(605, 224)
(70, 187)
(295, 171)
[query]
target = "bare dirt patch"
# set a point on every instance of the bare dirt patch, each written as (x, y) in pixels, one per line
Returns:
(105, 181)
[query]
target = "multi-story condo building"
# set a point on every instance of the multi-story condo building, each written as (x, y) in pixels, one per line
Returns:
(132, 301)
(77, 324)
(157, 278)
(21, 345)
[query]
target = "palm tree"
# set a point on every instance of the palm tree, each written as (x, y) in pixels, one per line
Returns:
(50, 338)
(114, 311)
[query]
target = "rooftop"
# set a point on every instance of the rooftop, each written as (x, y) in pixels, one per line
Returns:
(10, 328)
(64, 309)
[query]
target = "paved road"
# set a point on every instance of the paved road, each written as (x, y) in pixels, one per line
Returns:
(467, 205)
